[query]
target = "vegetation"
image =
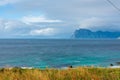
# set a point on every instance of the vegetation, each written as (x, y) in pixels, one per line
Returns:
(81, 73)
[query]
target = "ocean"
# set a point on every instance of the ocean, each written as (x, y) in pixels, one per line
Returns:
(58, 53)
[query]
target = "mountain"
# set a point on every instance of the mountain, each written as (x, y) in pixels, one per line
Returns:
(85, 33)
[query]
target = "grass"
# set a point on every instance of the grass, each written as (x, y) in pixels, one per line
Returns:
(80, 73)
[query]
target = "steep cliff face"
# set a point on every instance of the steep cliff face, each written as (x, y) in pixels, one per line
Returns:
(85, 33)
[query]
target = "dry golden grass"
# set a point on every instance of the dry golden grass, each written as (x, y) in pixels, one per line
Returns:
(81, 73)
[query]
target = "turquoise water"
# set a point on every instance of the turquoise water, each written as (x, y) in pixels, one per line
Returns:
(58, 53)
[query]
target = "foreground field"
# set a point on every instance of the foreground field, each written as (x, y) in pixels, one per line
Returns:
(81, 73)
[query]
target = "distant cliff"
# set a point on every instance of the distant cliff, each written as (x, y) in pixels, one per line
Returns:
(85, 33)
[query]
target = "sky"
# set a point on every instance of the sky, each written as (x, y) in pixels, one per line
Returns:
(56, 18)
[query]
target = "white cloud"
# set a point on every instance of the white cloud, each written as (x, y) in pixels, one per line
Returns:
(10, 24)
(38, 19)
(18, 28)
(69, 9)
(96, 23)
(92, 22)
(43, 32)
(5, 2)
(9, 28)
(2, 24)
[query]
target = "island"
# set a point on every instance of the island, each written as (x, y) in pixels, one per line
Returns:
(88, 34)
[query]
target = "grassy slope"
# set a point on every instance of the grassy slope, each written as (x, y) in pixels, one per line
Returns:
(81, 73)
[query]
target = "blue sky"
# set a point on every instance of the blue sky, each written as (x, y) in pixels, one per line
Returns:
(56, 18)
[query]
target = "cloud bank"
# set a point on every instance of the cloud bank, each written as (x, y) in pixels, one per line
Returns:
(38, 19)
(5, 2)
(56, 18)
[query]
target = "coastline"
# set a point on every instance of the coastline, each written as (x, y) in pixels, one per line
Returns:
(69, 67)
(78, 73)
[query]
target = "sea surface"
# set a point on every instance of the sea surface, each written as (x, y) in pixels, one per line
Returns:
(58, 53)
